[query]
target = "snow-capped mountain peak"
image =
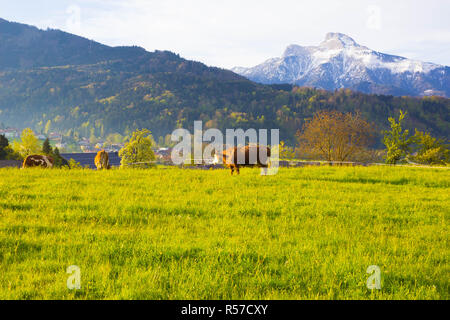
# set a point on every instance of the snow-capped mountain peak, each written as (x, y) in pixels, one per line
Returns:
(340, 62)
(338, 40)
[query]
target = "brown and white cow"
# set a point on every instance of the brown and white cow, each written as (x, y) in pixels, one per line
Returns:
(248, 156)
(38, 161)
(102, 160)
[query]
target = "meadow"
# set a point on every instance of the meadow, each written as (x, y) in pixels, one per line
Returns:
(305, 233)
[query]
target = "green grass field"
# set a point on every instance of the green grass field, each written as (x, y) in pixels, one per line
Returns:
(306, 233)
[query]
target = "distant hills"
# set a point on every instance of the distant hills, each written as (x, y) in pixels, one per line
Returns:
(340, 62)
(25, 47)
(55, 81)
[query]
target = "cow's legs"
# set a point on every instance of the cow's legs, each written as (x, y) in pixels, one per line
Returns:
(237, 170)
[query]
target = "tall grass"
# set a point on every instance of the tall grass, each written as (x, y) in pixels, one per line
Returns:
(306, 233)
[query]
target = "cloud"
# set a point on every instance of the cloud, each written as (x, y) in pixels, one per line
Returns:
(374, 17)
(244, 33)
(73, 21)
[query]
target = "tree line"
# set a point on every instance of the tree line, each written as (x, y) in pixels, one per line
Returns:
(337, 136)
(137, 151)
(29, 144)
(328, 135)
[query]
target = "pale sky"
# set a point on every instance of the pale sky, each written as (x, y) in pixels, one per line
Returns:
(230, 33)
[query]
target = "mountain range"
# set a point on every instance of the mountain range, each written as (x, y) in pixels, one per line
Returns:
(51, 80)
(340, 62)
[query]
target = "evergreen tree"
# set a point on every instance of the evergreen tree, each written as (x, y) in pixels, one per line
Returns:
(46, 148)
(4, 143)
(59, 161)
(56, 158)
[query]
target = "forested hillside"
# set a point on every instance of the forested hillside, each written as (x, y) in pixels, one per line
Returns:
(108, 90)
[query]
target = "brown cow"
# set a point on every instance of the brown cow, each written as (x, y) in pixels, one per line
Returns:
(248, 156)
(38, 161)
(102, 160)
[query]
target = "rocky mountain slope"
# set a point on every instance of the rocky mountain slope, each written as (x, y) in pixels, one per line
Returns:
(340, 62)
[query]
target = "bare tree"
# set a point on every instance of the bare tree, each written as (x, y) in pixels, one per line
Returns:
(335, 136)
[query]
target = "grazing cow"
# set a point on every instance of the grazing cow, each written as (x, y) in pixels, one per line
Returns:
(248, 156)
(38, 161)
(102, 160)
